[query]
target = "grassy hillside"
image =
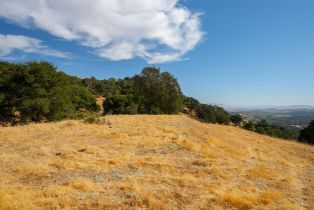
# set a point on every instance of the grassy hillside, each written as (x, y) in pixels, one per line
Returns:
(151, 162)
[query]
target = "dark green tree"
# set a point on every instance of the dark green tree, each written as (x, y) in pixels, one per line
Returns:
(249, 126)
(283, 132)
(171, 96)
(206, 113)
(148, 85)
(191, 103)
(236, 119)
(61, 105)
(264, 128)
(222, 116)
(83, 99)
(160, 92)
(36, 91)
(307, 134)
(121, 104)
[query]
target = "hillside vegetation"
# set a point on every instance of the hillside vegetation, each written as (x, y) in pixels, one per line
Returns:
(38, 92)
(151, 162)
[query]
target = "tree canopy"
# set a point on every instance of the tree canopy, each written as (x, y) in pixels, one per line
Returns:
(160, 92)
(236, 119)
(205, 112)
(263, 127)
(36, 91)
(307, 134)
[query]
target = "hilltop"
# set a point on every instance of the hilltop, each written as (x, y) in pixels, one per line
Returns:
(151, 162)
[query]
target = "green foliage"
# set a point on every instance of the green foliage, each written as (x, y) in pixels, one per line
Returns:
(82, 98)
(121, 104)
(263, 127)
(249, 126)
(38, 92)
(171, 96)
(93, 119)
(61, 105)
(151, 92)
(292, 118)
(222, 116)
(284, 133)
(191, 103)
(34, 109)
(205, 112)
(148, 85)
(236, 119)
(307, 134)
(160, 92)
(110, 87)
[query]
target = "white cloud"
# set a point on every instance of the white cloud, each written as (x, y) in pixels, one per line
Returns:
(9, 43)
(155, 30)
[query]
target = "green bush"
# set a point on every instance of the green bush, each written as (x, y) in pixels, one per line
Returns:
(236, 119)
(263, 127)
(249, 126)
(93, 119)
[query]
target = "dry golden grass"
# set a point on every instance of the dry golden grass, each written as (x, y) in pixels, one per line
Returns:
(151, 162)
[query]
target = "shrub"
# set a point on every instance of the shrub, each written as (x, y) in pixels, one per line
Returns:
(93, 119)
(249, 126)
(236, 119)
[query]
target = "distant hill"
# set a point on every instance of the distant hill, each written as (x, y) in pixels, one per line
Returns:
(296, 117)
(267, 107)
(295, 107)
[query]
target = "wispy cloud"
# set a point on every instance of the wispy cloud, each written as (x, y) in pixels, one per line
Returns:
(155, 30)
(10, 43)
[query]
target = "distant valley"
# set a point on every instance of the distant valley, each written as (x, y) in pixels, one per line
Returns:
(295, 117)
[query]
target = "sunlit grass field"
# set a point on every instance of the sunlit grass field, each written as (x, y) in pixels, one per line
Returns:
(151, 162)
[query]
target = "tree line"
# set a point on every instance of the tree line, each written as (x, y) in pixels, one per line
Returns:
(152, 92)
(306, 135)
(36, 91)
(205, 112)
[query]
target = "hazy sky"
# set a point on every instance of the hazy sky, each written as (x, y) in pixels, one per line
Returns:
(232, 52)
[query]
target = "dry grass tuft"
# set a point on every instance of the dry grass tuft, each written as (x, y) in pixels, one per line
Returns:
(260, 172)
(10, 199)
(238, 202)
(84, 185)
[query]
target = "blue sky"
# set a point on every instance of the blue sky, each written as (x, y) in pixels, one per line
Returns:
(236, 53)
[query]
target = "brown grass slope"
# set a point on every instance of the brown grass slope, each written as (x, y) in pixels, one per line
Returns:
(151, 162)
